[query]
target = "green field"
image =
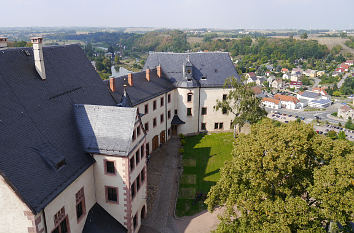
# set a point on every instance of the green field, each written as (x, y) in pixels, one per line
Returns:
(203, 157)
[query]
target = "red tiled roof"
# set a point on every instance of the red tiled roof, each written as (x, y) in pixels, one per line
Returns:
(266, 99)
(286, 98)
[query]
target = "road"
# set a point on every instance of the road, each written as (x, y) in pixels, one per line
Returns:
(340, 83)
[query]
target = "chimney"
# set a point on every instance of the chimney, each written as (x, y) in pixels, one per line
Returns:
(159, 71)
(147, 71)
(130, 79)
(112, 84)
(3, 42)
(38, 56)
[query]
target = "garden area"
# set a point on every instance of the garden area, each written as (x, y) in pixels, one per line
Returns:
(203, 156)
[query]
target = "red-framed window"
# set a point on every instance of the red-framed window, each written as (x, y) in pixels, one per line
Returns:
(61, 222)
(109, 167)
(111, 194)
(80, 204)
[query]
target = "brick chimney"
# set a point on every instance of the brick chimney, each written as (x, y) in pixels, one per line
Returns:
(130, 79)
(147, 71)
(112, 84)
(3, 42)
(159, 71)
(38, 56)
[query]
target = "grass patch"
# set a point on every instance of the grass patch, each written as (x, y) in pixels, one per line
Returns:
(203, 157)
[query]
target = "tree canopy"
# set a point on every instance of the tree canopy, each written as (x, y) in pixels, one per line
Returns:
(285, 178)
(241, 102)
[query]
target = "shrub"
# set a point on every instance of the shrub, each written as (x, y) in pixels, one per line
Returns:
(183, 142)
(181, 136)
(181, 150)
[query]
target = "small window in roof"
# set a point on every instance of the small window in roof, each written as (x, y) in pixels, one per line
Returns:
(204, 77)
(50, 155)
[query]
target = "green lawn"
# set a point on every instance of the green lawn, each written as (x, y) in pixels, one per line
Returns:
(203, 157)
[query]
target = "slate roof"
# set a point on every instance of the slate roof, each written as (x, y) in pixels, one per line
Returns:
(177, 121)
(106, 129)
(142, 90)
(37, 124)
(215, 66)
(310, 94)
(100, 221)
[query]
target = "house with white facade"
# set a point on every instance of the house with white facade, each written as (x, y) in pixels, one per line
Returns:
(288, 102)
(74, 148)
(277, 83)
(271, 103)
(345, 112)
(251, 77)
(286, 76)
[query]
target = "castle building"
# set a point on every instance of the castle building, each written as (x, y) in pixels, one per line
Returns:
(74, 148)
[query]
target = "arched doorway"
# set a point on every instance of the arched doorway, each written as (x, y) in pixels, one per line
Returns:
(155, 142)
(143, 213)
(162, 137)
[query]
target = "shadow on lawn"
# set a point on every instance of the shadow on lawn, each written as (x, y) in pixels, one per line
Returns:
(191, 196)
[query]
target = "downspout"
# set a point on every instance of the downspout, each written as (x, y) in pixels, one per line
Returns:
(45, 221)
(198, 108)
(166, 132)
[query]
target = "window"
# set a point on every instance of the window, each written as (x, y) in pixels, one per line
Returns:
(169, 132)
(204, 77)
(154, 105)
(142, 151)
(138, 183)
(161, 101)
(175, 111)
(61, 222)
(224, 97)
(169, 114)
(204, 111)
(138, 131)
(109, 167)
(132, 189)
(80, 204)
(112, 194)
(134, 135)
(161, 118)
(203, 126)
(146, 108)
(219, 125)
(189, 97)
(154, 122)
(137, 157)
(132, 165)
(142, 175)
(224, 111)
(189, 112)
(169, 98)
(147, 148)
(146, 126)
(135, 221)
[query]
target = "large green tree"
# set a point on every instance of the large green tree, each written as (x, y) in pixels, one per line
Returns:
(241, 102)
(285, 178)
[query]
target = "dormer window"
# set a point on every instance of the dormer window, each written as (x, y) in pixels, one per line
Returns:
(204, 77)
(189, 79)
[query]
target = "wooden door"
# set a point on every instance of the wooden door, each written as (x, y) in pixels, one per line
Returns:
(174, 130)
(162, 137)
(155, 142)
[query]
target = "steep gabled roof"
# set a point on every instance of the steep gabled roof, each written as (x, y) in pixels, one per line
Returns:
(215, 67)
(37, 124)
(142, 90)
(106, 129)
(266, 99)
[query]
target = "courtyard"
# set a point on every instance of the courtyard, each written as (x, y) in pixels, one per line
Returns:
(203, 156)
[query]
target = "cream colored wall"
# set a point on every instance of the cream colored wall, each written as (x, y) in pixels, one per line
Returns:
(12, 208)
(67, 199)
(208, 97)
(152, 114)
(101, 180)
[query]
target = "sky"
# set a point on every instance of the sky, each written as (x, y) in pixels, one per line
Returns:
(220, 14)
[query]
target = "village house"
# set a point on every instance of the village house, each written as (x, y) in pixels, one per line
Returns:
(345, 112)
(260, 80)
(288, 102)
(349, 62)
(74, 147)
(284, 70)
(310, 73)
(251, 77)
(271, 103)
(286, 76)
(295, 85)
(277, 83)
(320, 73)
